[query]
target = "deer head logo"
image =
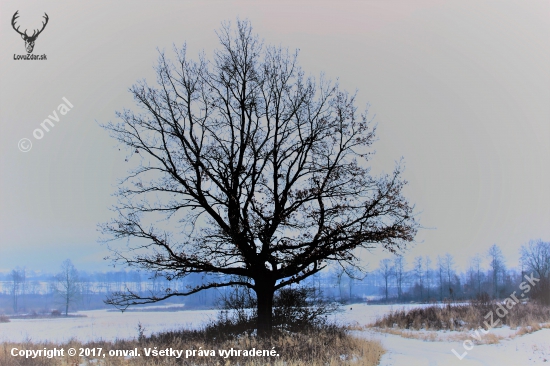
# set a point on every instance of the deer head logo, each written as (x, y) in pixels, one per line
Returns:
(29, 40)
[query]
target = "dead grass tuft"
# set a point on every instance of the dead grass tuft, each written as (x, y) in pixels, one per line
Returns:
(528, 329)
(490, 338)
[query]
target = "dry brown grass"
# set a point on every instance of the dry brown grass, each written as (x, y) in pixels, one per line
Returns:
(356, 326)
(489, 338)
(329, 346)
(424, 336)
(532, 327)
(463, 317)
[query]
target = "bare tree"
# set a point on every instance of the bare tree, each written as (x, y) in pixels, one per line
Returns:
(535, 258)
(496, 261)
(386, 271)
(67, 285)
(260, 173)
(440, 271)
(418, 268)
(448, 265)
(351, 281)
(18, 278)
(476, 272)
(338, 274)
(428, 274)
(400, 273)
(354, 274)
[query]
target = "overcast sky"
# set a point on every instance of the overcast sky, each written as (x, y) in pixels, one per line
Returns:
(460, 89)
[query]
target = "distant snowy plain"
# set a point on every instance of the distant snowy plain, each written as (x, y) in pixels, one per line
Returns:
(530, 349)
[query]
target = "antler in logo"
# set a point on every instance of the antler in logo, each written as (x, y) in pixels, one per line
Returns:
(29, 40)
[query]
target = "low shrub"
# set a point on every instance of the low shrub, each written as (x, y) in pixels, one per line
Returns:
(295, 309)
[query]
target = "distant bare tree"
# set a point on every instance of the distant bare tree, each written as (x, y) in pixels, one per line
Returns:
(67, 285)
(399, 273)
(428, 274)
(476, 273)
(440, 272)
(338, 274)
(448, 265)
(496, 261)
(354, 274)
(18, 278)
(386, 271)
(535, 257)
(418, 269)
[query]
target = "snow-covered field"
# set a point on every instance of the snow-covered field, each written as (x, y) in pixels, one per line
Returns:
(100, 324)
(110, 325)
(530, 349)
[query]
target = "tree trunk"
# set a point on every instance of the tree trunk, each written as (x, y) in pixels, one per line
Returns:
(264, 293)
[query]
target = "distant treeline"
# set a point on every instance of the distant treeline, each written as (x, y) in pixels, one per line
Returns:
(424, 279)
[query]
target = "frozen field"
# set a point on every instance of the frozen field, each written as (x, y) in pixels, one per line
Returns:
(531, 349)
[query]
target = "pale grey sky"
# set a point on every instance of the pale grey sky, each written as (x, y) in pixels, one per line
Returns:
(460, 89)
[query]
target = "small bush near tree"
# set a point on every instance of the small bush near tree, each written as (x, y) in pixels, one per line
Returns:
(295, 309)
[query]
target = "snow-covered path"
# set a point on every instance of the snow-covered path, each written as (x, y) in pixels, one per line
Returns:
(530, 349)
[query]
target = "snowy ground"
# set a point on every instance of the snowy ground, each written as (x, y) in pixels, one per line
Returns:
(110, 325)
(530, 349)
(100, 324)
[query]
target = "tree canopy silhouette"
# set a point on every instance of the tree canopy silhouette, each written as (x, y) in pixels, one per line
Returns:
(260, 173)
